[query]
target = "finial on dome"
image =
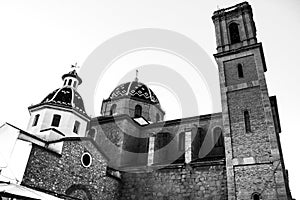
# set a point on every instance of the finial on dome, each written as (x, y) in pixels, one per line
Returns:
(136, 75)
(72, 75)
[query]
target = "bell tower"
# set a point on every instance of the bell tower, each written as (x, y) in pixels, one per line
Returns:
(234, 27)
(254, 162)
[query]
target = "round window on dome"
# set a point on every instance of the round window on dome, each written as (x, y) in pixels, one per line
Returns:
(86, 159)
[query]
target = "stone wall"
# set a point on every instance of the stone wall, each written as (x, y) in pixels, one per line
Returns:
(255, 178)
(256, 142)
(65, 175)
(180, 182)
(231, 70)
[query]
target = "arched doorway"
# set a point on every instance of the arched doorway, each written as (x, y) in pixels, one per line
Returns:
(79, 191)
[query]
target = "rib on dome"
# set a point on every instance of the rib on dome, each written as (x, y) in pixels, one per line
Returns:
(66, 96)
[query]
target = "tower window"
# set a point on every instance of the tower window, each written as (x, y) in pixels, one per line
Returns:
(138, 111)
(76, 127)
(74, 84)
(70, 82)
(36, 119)
(55, 120)
(181, 142)
(113, 109)
(157, 117)
(65, 82)
(247, 121)
(218, 138)
(240, 71)
(234, 33)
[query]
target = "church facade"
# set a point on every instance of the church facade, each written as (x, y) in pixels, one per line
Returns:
(131, 152)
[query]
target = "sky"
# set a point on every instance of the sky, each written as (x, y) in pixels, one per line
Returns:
(39, 40)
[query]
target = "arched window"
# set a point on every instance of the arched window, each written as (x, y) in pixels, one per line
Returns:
(162, 139)
(247, 121)
(74, 84)
(138, 111)
(234, 33)
(157, 117)
(240, 70)
(199, 135)
(113, 109)
(255, 196)
(36, 119)
(181, 142)
(65, 82)
(55, 120)
(218, 138)
(76, 126)
(70, 82)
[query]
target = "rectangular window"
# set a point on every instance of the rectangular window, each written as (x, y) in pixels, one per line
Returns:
(76, 127)
(55, 120)
(240, 71)
(181, 143)
(247, 121)
(36, 119)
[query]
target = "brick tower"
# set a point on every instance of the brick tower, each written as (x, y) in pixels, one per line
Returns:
(254, 162)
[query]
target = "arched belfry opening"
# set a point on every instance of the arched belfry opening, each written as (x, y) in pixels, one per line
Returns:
(234, 33)
(138, 111)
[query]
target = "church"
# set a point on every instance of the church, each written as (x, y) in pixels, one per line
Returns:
(131, 152)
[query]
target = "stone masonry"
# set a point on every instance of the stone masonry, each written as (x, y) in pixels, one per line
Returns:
(66, 176)
(176, 183)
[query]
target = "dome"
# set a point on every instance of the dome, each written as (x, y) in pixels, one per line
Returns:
(135, 90)
(67, 97)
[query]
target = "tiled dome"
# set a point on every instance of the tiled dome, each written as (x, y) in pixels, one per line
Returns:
(136, 90)
(66, 96)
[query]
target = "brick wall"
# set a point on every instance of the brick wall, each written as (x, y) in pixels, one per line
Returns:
(64, 173)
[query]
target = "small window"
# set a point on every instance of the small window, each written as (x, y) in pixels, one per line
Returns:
(247, 121)
(36, 119)
(113, 109)
(74, 84)
(70, 82)
(65, 82)
(181, 142)
(240, 71)
(218, 138)
(86, 159)
(157, 117)
(234, 33)
(92, 133)
(76, 127)
(55, 120)
(255, 196)
(138, 111)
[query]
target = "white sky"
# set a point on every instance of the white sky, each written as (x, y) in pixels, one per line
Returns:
(39, 40)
